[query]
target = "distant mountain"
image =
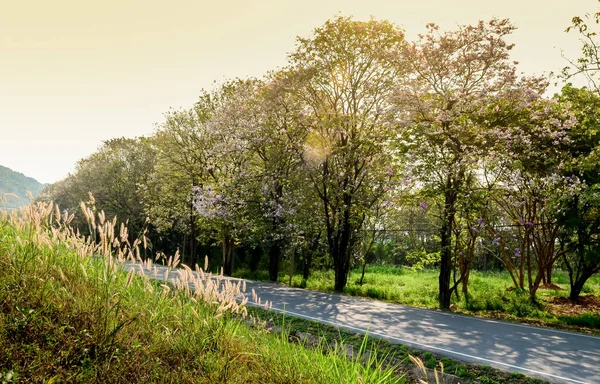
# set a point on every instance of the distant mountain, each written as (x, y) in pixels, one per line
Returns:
(17, 184)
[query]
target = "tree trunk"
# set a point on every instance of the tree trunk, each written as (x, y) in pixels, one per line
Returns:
(274, 259)
(255, 256)
(543, 271)
(227, 255)
(341, 256)
(445, 267)
(465, 282)
(523, 257)
(576, 289)
(275, 252)
(549, 274)
(193, 235)
(183, 245)
(577, 283)
(307, 259)
(362, 276)
(341, 277)
(446, 245)
(534, 287)
(292, 265)
(339, 229)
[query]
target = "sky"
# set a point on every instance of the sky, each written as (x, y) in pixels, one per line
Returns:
(75, 73)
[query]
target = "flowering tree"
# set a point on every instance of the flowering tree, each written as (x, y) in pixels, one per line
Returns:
(222, 198)
(444, 111)
(534, 148)
(462, 105)
(523, 231)
(468, 227)
(276, 139)
(346, 73)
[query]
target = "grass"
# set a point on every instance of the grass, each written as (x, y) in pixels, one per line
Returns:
(399, 354)
(591, 320)
(490, 294)
(67, 316)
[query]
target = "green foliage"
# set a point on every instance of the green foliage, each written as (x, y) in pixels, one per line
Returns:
(578, 210)
(338, 70)
(419, 259)
(114, 175)
(244, 273)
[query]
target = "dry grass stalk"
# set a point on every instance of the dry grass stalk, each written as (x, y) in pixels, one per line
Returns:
(47, 227)
(419, 363)
(129, 278)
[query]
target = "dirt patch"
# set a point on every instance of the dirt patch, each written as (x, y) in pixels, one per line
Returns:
(562, 306)
(551, 286)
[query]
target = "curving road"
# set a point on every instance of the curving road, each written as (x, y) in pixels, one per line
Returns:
(555, 356)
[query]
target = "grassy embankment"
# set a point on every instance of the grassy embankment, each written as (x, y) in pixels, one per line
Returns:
(66, 316)
(490, 294)
(401, 354)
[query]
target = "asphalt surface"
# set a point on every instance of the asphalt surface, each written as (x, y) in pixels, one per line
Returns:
(552, 355)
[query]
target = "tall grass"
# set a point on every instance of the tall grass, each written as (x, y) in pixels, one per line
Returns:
(70, 313)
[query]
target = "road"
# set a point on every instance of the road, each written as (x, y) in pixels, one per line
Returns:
(552, 355)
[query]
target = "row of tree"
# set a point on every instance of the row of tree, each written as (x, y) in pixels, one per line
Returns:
(363, 130)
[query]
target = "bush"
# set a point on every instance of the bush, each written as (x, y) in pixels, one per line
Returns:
(419, 259)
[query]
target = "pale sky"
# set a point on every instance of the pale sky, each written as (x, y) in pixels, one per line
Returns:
(74, 72)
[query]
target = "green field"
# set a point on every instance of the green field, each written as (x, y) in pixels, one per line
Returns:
(490, 293)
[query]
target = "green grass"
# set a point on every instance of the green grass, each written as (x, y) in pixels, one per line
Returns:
(490, 293)
(589, 319)
(69, 317)
(395, 352)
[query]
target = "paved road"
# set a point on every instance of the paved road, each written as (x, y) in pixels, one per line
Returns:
(556, 356)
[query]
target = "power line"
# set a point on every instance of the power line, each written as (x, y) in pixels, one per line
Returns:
(432, 229)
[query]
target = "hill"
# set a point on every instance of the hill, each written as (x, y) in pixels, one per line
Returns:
(18, 184)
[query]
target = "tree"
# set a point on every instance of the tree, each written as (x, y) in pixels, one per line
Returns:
(277, 138)
(346, 73)
(467, 229)
(588, 64)
(182, 162)
(114, 175)
(525, 233)
(534, 147)
(578, 211)
(223, 198)
(445, 114)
